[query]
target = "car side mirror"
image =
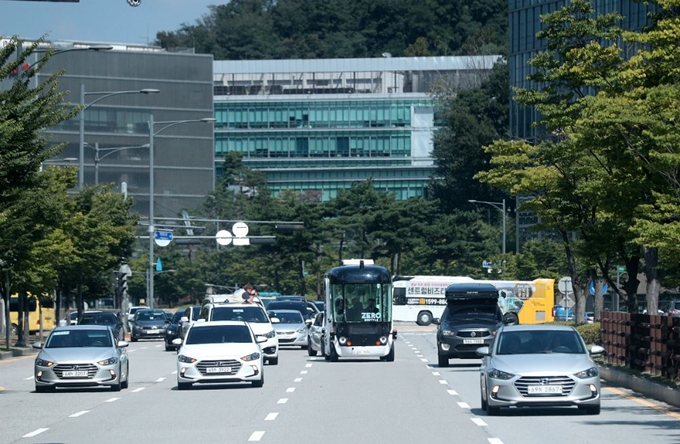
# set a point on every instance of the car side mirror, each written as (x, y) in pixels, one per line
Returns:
(37, 345)
(436, 321)
(122, 344)
(177, 341)
(597, 350)
(184, 319)
(261, 339)
(483, 351)
(308, 322)
(274, 320)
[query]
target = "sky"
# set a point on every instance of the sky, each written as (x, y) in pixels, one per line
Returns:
(112, 21)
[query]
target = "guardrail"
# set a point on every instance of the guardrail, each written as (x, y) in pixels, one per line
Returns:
(642, 342)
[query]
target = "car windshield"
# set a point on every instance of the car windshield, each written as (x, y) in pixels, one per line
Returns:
(482, 312)
(219, 334)
(195, 312)
(248, 314)
(176, 317)
(539, 341)
(99, 319)
(287, 317)
(79, 339)
(151, 316)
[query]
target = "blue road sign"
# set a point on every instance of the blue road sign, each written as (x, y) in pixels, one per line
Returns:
(159, 266)
(592, 288)
(162, 235)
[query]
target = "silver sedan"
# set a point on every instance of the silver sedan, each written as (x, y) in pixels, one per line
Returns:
(81, 356)
(539, 366)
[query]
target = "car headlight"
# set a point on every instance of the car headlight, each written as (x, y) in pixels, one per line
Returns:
(186, 359)
(251, 357)
(302, 329)
(498, 374)
(448, 333)
(43, 363)
(590, 373)
(269, 335)
(112, 360)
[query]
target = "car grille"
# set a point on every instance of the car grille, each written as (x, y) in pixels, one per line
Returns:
(285, 340)
(474, 334)
(233, 363)
(61, 368)
(524, 382)
(285, 332)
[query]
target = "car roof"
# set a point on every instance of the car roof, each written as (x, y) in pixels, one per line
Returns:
(538, 327)
(213, 323)
(82, 327)
(284, 311)
(233, 305)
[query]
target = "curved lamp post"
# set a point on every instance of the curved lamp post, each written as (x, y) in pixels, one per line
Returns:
(107, 152)
(153, 132)
(499, 206)
(81, 142)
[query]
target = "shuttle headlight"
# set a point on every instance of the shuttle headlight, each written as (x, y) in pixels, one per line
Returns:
(342, 340)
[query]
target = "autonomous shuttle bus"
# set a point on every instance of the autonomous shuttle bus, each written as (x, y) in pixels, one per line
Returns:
(358, 312)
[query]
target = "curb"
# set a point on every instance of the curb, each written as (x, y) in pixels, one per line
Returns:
(17, 352)
(640, 385)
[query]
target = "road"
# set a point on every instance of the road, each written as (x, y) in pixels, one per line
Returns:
(306, 398)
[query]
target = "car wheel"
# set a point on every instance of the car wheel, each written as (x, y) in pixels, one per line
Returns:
(442, 361)
(183, 385)
(41, 389)
(390, 355)
(493, 411)
(116, 387)
(510, 318)
(169, 347)
(424, 318)
(323, 348)
(485, 405)
(334, 354)
(310, 352)
(259, 383)
(126, 383)
(133, 339)
(273, 361)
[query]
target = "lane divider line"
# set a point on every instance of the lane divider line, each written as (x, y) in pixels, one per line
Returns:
(282, 401)
(290, 389)
(297, 380)
(256, 436)
(463, 405)
(35, 433)
(495, 441)
(479, 421)
(138, 389)
(643, 402)
(271, 416)
(75, 415)
(112, 400)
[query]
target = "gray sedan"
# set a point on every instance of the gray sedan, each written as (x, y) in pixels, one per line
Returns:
(81, 356)
(291, 328)
(539, 366)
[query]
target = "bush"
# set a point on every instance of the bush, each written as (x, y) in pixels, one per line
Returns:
(590, 332)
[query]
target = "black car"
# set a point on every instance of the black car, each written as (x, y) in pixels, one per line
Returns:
(148, 324)
(306, 308)
(172, 330)
(104, 318)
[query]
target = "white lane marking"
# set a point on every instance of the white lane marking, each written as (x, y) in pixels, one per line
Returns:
(112, 400)
(271, 416)
(34, 433)
(415, 350)
(256, 436)
(282, 401)
(452, 392)
(174, 373)
(435, 373)
(75, 415)
(144, 348)
(495, 441)
(303, 372)
(290, 389)
(297, 380)
(308, 365)
(160, 379)
(138, 389)
(29, 378)
(129, 351)
(443, 381)
(424, 359)
(159, 346)
(479, 421)
(463, 405)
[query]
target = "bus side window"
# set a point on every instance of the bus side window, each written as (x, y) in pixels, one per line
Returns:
(399, 296)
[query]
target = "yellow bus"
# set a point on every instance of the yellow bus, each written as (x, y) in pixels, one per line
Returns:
(38, 308)
(420, 299)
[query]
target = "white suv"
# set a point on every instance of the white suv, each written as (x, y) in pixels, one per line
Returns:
(255, 316)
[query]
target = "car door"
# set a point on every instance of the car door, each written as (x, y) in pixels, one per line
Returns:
(316, 332)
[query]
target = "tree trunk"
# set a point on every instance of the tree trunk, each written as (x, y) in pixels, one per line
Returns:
(576, 280)
(653, 279)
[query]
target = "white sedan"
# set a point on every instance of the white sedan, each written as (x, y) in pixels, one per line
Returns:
(218, 352)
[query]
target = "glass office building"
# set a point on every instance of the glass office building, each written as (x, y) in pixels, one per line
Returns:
(116, 130)
(524, 18)
(317, 126)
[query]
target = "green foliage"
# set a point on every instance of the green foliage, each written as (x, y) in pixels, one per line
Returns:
(590, 332)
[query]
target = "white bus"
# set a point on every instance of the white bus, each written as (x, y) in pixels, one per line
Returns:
(421, 298)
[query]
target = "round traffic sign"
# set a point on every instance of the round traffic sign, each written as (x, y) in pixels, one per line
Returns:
(223, 237)
(240, 229)
(564, 285)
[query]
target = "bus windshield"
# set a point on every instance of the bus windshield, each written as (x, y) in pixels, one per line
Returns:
(359, 303)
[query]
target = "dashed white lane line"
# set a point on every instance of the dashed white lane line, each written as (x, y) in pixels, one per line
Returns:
(303, 372)
(138, 389)
(290, 389)
(256, 436)
(435, 373)
(424, 359)
(443, 381)
(75, 415)
(479, 421)
(112, 400)
(271, 416)
(308, 365)
(495, 441)
(34, 433)
(452, 392)
(160, 379)
(463, 405)
(282, 401)
(174, 373)
(297, 380)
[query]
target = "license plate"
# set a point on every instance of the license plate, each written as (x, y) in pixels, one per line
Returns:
(473, 341)
(218, 370)
(364, 352)
(75, 374)
(545, 389)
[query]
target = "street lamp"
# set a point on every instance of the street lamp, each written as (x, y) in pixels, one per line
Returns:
(500, 208)
(95, 48)
(108, 152)
(103, 95)
(153, 132)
